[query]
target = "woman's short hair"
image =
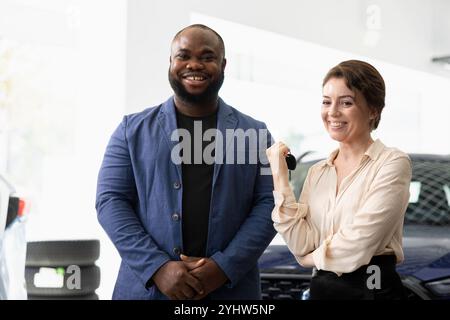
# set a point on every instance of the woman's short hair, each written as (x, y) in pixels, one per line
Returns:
(366, 79)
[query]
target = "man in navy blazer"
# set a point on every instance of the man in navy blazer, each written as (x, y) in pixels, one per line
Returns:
(187, 227)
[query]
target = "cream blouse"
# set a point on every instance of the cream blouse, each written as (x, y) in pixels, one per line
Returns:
(345, 230)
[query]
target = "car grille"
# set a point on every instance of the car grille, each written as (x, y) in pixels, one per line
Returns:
(284, 286)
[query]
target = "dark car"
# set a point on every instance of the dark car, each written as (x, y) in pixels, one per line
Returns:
(425, 272)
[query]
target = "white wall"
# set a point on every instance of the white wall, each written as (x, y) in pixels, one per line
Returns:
(71, 55)
(410, 33)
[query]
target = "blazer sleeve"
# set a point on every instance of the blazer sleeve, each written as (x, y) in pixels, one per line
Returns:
(255, 234)
(116, 202)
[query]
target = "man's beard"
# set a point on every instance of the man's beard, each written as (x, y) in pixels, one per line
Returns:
(207, 95)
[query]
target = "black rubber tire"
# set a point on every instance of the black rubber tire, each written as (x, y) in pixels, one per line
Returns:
(89, 282)
(88, 297)
(62, 253)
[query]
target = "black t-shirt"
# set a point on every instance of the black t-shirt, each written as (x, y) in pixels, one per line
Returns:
(197, 186)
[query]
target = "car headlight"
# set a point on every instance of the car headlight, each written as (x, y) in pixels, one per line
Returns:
(439, 288)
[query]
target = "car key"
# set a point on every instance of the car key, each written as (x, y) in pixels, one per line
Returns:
(291, 163)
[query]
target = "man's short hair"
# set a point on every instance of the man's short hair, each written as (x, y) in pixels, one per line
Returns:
(203, 27)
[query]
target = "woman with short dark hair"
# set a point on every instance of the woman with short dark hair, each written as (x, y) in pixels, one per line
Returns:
(348, 222)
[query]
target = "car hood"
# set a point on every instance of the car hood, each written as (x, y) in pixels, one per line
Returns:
(278, 259)
(427, 252)
(426, 249)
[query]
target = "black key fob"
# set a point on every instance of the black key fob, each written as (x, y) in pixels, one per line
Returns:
(291, 162)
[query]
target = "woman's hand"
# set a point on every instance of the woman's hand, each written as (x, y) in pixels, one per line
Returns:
(307, 261)
(276, 155)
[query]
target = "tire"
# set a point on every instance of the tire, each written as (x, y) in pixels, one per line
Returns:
(88, 297)
(89, 282)
(62, 253)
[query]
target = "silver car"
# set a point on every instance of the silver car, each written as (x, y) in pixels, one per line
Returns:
(12, 244)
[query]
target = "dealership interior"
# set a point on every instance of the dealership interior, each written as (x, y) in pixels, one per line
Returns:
(71, 69)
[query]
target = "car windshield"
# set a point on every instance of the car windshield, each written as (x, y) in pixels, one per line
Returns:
(429, 202)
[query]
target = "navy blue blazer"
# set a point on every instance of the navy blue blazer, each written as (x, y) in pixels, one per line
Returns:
(139, 204)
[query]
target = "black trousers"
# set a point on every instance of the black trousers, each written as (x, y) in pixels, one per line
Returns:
(360, 284)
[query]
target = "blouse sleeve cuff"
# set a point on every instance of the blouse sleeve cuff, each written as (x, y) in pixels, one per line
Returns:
(321, 261)
(284, 197)
(286, 208)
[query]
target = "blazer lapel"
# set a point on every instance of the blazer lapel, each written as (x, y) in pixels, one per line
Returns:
(225, 120)
(168, 122)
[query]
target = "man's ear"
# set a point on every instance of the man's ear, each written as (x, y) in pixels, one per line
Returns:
(372, 114)
(224, 63)
(170, 59)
